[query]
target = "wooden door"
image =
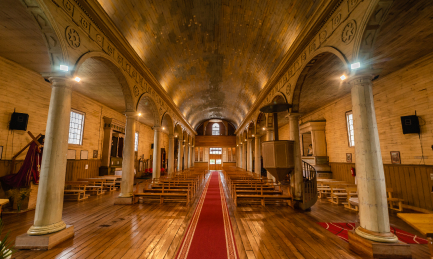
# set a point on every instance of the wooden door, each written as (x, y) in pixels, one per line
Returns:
(215, 162)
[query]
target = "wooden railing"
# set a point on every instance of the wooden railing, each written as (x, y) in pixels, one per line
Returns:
(309, 186)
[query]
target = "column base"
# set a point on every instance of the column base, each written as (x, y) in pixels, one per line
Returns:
(374, 249)
(44, 242)
(124, 200)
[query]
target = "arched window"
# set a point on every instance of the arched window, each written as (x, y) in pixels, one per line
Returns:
(215, 129)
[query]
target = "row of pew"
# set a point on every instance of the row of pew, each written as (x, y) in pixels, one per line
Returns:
(340, 192)
(83, 187)
(246, 187)
(182, 187)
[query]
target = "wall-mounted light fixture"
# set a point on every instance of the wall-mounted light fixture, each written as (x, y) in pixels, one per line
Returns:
(355, 65)
(342, 77)
(77, 79)
(139, 114)
(64, 68)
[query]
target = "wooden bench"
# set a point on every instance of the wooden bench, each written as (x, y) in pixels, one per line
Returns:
(394, 201)
(76, 189)
(96, 185)
(163, 195)
(263, 198)
(338, 193)
(110, 182)
(352, 202)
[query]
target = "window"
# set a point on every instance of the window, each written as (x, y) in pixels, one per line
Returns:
(215, 129)
(136, 142)
(76, 126)
(350, 133)
(215, 151)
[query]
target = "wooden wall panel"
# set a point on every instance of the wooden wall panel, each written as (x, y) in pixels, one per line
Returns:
(215, 141)
(413, 183)
(201, 165)
(76, 169)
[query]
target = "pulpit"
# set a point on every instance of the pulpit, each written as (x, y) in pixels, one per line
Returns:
(112, 148)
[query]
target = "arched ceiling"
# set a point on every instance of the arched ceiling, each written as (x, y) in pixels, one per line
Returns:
(322, 83)
(99, 82)
(405, 36)
(211, 56)
(21, 39)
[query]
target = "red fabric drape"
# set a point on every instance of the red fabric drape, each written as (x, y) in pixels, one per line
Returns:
(28, 171)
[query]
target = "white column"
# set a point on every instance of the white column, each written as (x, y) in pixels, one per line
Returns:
(270, 137)
(190, 156)
(185, 156)
(127, 183)
(297, 175)
(258, 155)
(180, 155)
(156, 168)
(170, 155)
(373, 209)
(250, 155)
(245, 158)
(49, 205)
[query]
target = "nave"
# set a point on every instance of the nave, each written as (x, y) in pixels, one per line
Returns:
(153, 230)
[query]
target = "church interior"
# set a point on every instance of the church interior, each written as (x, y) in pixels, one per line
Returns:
(216, 129)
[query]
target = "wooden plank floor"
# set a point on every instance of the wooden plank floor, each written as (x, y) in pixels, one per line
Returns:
(151, 230)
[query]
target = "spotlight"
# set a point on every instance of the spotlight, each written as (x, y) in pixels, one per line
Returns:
(253, 135)
(163, 128)
(263, 128)
(77, 79)
(139, 114)
(355, 65)
(64, 68)
(342, 77)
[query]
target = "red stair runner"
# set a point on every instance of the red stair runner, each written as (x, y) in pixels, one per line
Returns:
(210, 234)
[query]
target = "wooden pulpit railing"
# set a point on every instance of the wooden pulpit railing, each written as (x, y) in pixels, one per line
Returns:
(309, 186)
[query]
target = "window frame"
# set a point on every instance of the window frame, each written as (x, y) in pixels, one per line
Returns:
(219, 129)
(136, 143)
(83, 125)
(350, 141)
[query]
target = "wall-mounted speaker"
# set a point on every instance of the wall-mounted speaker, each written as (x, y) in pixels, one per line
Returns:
(410, 124)
(19, 121)
(151, 146)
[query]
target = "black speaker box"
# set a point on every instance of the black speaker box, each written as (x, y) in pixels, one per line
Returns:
(151, 146)
(19, 121)
(410, 124)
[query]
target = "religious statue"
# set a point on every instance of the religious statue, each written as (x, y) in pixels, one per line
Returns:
(310, 150)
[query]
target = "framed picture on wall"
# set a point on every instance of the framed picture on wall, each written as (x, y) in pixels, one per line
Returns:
(348, 157)
(395, 157)
(1, 152)
(95, 153)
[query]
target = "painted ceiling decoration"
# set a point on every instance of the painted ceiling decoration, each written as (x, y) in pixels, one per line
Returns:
(212, 57)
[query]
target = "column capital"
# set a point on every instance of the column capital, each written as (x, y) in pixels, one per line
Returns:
(294, 115)
(130, 114)
(59, 80)
(171, 136)
(257, 136)
(157, 128)
(360, 79)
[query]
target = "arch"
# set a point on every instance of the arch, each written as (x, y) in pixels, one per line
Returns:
(147, 100)
(178, 130)
(118, 72)
(306, 67)
(370, 26)
(52, 38)
(167, 121)
(251, 129)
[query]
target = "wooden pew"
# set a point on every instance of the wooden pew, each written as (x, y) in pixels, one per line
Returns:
(352, 202)
(394, 201)
(163, 195)
(96, 185)
(76, 189)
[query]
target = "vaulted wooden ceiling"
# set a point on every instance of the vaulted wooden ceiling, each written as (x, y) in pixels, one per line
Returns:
(212, 56)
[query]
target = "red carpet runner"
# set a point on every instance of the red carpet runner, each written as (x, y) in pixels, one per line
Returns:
(340, 229)
(210, 234)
